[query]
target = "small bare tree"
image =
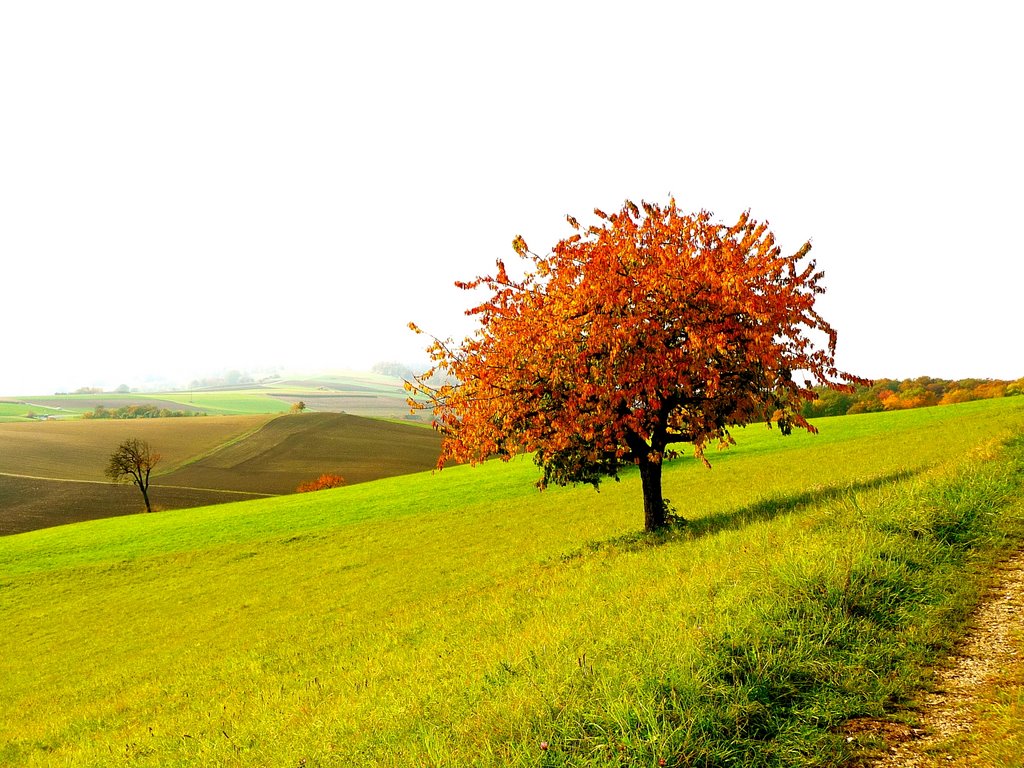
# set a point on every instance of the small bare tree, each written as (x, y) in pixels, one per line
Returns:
(133, 459)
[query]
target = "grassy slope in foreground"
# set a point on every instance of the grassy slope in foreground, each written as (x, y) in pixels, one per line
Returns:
(464, 618)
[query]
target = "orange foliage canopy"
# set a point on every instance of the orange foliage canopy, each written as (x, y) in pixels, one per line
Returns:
(652, 328)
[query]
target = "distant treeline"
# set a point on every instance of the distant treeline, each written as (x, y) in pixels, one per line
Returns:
(895, 395)
(135, 412)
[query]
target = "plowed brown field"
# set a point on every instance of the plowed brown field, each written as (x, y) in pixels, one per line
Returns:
(51, 473)
(30, 503)
(79, 450)
(293, 449)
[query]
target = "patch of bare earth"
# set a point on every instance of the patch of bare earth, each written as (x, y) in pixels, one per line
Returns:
(946, 713)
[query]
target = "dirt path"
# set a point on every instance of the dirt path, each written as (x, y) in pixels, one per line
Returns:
(985, 653)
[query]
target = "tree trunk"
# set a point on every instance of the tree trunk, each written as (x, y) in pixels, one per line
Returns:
(145, 497)
(654, 504)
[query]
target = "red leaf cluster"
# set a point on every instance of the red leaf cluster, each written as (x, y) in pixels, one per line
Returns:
(322, 483)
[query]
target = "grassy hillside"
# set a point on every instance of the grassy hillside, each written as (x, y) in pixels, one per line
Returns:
(17, 410)
(231, 401)
(463, 618)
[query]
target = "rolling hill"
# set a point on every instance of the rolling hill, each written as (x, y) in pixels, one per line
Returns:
(463, 618)
(79, 449)
(291, 449)
(51, 472)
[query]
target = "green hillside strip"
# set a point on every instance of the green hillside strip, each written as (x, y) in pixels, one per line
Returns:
(463, 618)
(229, 402)
(17, 410)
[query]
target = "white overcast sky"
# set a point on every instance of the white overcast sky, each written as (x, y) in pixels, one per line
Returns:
(192, 187)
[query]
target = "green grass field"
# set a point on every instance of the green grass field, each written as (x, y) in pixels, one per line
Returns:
(73, 406)
(16, 410)
(221, 403)
(230, 402)
(463, 618)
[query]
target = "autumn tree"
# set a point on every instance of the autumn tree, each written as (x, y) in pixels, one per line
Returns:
(649, 329)
(134, 459)
(298, 407)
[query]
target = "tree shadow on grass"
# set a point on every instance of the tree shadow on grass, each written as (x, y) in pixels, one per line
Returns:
(758, 511)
